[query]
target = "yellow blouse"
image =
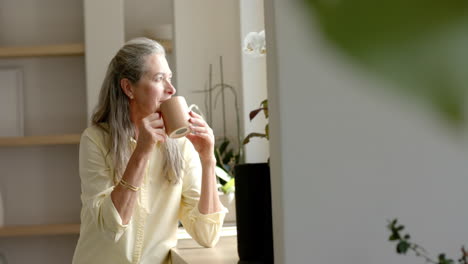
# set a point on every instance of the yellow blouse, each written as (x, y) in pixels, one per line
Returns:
(152, 230)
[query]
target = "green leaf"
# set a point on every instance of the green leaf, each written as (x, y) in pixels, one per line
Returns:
(228, 156)
(254, 113)
(443, 260)
(223, 146)
(264, 105)
(402, 247)
(222, 174)
(229, 186)
(394, 237)
(218, 158)
(236, 159)
(267, 131)
(251, 135)
(419, 45)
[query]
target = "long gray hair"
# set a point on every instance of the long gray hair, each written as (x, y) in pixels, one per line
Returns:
(113, 108)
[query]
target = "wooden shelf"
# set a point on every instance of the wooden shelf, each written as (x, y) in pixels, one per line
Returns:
(39, 230)
(76, 49)
(40, 140)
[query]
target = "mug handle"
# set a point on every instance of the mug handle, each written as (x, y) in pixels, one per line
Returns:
(197, 110)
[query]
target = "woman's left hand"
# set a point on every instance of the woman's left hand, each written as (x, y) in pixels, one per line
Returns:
(203, 139)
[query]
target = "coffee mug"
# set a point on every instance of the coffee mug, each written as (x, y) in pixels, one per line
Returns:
(175, 114)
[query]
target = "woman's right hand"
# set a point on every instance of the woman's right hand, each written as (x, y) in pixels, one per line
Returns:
(150, 131)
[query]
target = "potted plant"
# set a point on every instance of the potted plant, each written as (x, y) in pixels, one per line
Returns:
(253, 204)
(253, 188)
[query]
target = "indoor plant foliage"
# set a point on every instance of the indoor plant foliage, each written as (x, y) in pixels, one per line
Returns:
(226, 155)
(263, 108)
(253, 201)
(404, 245)
(398, 40)
(255, 46)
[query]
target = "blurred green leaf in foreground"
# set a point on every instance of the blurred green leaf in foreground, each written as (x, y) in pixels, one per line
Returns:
(421, 45)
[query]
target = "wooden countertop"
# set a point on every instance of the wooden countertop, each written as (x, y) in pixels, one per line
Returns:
(225, 252)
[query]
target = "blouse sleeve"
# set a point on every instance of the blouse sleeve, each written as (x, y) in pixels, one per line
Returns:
(203, 228)
(96, 187)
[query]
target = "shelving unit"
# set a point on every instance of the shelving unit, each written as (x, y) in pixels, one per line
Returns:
(67, 139)
(40, 230)
(39, 179)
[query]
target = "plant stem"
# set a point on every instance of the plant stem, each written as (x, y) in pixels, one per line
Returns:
(210, 118)
(236, 105)
(419, 251)
(222, 95)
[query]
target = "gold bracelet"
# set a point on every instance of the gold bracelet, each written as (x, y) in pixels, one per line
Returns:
(129, 186)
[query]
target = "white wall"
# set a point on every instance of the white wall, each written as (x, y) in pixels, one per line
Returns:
(254, 87)
(346, 157)
(148, 17)
(205, 30)
(24, 23)
(143, 15)
(103, 38)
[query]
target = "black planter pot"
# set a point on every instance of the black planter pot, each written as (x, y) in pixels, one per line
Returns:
(253, 213)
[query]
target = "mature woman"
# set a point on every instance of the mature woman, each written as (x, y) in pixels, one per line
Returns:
(136, 182)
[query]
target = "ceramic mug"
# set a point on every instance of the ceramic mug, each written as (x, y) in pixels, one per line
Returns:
(175, 114)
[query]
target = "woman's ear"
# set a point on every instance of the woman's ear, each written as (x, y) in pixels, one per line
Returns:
(126, 87)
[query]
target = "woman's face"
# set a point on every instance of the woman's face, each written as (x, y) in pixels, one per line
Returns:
(154, 86)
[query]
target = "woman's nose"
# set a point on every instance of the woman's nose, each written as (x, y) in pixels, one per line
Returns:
(170, 89)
